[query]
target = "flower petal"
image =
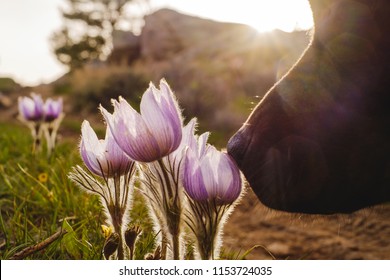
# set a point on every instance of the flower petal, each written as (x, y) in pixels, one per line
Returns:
(114, 154)
(188, 140)
(52, 109)
(91, 149)
(229, 179)
(38, 102)
(31, 109)
(209, 163)
(236, 185)
(193, 177)
(202, 144)
(162, 118)
(188, 135)
(26, 107)
(131, 133)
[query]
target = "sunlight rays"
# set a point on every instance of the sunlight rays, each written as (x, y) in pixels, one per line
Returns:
(263, 15)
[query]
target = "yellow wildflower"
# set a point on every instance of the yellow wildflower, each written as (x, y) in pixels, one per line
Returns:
(42, 177)
(107, 231)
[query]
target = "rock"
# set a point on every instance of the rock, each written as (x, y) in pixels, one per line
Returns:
(5, 101)
(280, 249)
(167, 32)
(126, 48)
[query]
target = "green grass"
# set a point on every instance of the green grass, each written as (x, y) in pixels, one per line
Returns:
(34, 208)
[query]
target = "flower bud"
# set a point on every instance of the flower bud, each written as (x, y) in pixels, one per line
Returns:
(31, 109)
(102, 157)
(52, 109)
(111, 245)
(211, 175)
(131, 235)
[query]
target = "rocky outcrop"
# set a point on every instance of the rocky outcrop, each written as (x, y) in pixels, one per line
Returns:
(127, 48)
(166, 33)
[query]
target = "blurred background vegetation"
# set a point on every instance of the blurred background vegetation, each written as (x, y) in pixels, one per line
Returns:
(219, 71)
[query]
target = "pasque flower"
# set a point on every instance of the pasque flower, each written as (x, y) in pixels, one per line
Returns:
(211, 175)
(163, 190)
(151, 138)
(52, 109)
(102, 156)
(183, 179)
(213, 183)
(31, 108)
(31, 114)
(52, 117)
(114, 183)
(151, 134)
(43, 118)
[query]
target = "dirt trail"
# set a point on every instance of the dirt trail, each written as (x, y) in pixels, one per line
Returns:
(362, 235)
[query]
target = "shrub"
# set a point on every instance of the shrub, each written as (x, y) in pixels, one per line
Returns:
(91, 86)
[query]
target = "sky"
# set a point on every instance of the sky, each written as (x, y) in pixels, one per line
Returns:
(26, 26)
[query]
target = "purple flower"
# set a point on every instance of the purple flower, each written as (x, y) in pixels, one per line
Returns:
(102, 157)
(152, 134)
(31, 109)
(188, 139)
(210, 174)
(52, 109)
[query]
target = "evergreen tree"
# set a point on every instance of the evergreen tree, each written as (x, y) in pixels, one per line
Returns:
(87, 31)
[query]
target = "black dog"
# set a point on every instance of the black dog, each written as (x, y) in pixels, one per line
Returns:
(319, 141)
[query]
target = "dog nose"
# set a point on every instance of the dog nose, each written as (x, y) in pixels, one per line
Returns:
(237, 145)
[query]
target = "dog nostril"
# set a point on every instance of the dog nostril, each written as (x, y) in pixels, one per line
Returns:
(237, 146)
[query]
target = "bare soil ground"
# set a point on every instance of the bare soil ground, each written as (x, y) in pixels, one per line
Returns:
(364, 234)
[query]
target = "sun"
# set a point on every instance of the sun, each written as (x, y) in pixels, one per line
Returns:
(267, 15)
(263, 15)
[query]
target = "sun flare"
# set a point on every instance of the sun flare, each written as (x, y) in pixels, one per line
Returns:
(267, 15)
(285, 15)
(263, 15)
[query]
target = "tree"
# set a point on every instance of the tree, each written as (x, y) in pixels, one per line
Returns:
(87, 31)
(76, 52)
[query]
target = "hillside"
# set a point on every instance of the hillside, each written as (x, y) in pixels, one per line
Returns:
(217, 70)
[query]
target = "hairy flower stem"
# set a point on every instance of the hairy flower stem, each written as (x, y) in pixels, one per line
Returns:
(121, 251)
(51, 129)
(207, 239)
(172, 207)
(50, 139)
(117, 213)
(164, 245)
(174, 228)
(176, 246)
(118, 207)
(36, 134)
(206, 243)
(206, 220)
(117, 216)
